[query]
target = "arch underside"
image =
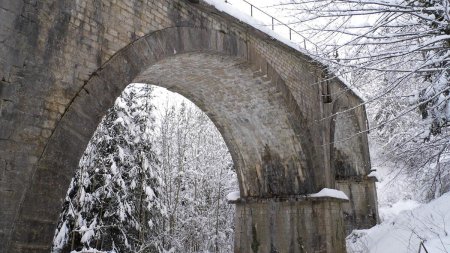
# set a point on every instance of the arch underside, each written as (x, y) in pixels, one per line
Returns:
(249, 111)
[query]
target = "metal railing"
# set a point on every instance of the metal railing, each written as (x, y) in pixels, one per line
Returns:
(422, 246)
(276, 22)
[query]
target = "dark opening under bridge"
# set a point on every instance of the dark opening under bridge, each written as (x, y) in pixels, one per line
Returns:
(64, 62)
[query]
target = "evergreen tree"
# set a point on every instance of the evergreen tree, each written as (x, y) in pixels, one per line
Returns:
(113, 200)
(122, 199)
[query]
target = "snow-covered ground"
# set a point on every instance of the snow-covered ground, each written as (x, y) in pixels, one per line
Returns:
(405, 222)
(428, 223)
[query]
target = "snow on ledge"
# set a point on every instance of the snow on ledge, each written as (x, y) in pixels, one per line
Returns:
(329, 193)
(324, 193)
(233, 196)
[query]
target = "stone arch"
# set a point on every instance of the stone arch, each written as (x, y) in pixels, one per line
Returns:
(350, 162)
(257, 116)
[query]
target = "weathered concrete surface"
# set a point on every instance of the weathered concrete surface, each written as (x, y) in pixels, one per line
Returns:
(64, 62)
(362, 211)
(294, 225)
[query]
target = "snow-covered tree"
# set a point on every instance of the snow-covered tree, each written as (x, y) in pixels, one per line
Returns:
(113, 202)
(410, 38)
(197, 173)
(151, 180)
(397, 54)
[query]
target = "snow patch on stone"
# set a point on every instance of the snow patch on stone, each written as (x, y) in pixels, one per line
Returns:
(373, 174)
(330, 193)
(233, 196)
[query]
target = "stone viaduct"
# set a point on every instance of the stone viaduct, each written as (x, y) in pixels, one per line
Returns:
(291, 129)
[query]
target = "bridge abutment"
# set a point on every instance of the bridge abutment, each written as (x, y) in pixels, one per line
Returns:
(293, 224)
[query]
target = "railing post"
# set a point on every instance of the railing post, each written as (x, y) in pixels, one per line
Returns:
(290, 33)
(251, 10)
(273, 27)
